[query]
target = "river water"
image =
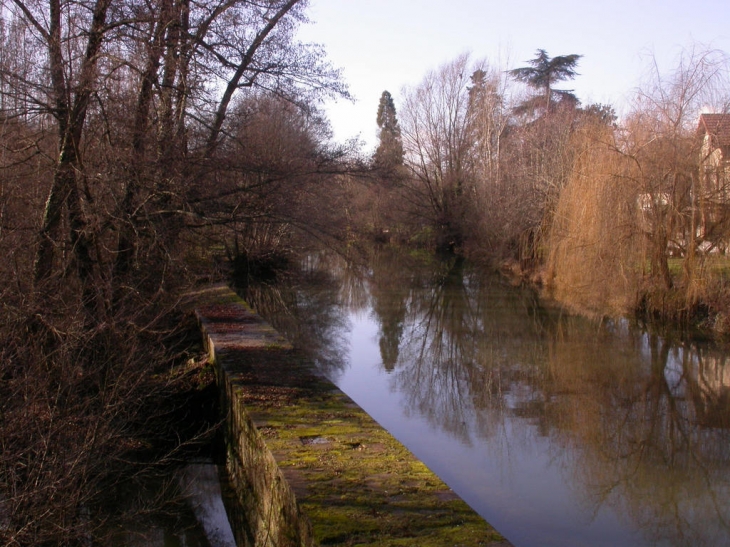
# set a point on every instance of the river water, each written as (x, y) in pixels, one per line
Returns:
(181, 508)
(558, 430)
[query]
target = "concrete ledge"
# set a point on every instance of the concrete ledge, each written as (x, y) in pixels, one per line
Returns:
(311, 467)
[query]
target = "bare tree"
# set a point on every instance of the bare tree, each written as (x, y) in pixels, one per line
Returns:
(496, 199)
(69, 101)
(438, 143)
(661, 141)
(177, 66)
(119, 166)
(276, 171)
(632, 200)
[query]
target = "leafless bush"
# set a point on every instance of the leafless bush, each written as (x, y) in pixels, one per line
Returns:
(82, 410)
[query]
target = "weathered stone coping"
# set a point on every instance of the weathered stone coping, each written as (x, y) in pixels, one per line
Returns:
(291, 434)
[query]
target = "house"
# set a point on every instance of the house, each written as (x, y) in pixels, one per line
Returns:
(714, 130)
(713, 196)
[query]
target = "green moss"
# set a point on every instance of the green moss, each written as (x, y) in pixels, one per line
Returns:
(357, 484)
(362, 487)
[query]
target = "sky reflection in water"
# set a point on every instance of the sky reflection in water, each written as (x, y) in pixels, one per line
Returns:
(557, 430)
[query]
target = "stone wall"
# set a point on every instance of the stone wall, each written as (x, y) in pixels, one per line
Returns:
(266, 508)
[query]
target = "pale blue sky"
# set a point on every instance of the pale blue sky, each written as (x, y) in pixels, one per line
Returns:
(386, 44)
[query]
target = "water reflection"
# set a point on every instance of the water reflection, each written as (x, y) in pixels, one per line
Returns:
(183, 509)
(201, 487)
(308, 309)
(626, 432)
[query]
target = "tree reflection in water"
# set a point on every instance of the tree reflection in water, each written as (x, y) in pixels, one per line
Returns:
(636, 422)
(307, 308)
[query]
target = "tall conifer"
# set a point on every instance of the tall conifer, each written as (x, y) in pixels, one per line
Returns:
(389, 153)
(542, 73)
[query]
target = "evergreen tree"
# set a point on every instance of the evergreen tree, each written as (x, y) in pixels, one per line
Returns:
(389, 153)
(542, 73)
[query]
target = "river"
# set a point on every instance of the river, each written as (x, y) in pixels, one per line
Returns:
(558, 430)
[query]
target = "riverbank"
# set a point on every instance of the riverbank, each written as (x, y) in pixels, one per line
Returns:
(353, 481)
(701, 309)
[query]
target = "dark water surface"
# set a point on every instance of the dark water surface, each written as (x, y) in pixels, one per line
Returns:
(558, 430)
(185, 509)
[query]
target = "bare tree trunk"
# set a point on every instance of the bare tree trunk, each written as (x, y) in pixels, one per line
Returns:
(49, 234)
(659, 263)
(171, 17)
(64, 189)
(126, 245)
(179, 134)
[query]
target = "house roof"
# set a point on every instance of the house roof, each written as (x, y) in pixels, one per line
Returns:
(717, 126)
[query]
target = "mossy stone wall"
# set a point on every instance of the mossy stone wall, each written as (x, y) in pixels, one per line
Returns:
(308, 465)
